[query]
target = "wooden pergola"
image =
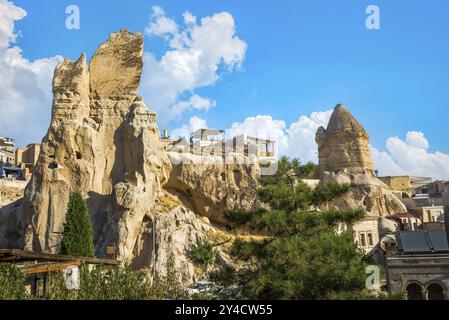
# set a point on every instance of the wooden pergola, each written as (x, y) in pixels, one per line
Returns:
(38, 266)
(15, 256)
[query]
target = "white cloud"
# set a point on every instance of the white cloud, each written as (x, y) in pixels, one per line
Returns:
(25, 86)
(160, 25)
(194, 102)
(264, 127)
(302, 134)
(411, 157)
(417, 140)
(8, 15)
(186, 130)
(197, 52)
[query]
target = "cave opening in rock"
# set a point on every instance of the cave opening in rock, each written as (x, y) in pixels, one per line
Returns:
(53, 165)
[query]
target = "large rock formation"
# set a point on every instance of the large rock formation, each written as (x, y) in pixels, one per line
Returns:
(102, 141)
(344, 157)
(210, 186)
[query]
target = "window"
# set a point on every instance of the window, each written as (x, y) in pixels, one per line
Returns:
(362, 239)
(370, 239)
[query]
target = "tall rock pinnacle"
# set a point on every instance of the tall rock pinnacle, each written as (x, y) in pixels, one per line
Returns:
(102, 141)
(344, 145)
(345, 158)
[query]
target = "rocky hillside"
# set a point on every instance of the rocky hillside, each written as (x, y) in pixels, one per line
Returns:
(104, 141)
(149, 203)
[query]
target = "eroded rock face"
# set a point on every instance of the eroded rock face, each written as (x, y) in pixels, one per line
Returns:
(367, 192)
(102, 141)
(345, 158)
(116, 67)
(11, 193)
(211, 189)
(177, 232)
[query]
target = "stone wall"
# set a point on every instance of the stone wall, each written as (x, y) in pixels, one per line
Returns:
(422, 270)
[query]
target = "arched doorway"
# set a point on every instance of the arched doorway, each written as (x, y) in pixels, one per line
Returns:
(435, 292)
(414, 292)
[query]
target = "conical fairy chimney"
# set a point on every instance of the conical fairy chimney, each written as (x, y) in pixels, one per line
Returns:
(344, 145)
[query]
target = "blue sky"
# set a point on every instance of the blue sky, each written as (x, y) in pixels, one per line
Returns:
(302, 56)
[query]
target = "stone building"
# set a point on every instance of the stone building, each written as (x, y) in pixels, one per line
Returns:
(406, 221)
(214, 142)
(420, 266)
(409, 186)
(7, 151)
(425, 208)
(370, 231)
(26, 159)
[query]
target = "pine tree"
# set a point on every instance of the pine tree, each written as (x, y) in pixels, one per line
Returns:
(77, 240)
(301, 256)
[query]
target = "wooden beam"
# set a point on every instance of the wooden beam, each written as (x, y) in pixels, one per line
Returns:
(55, 257)
(47, 268)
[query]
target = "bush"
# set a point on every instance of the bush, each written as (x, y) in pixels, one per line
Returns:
(117, 283)
(203, 253)
(77, 238)
(12, 283)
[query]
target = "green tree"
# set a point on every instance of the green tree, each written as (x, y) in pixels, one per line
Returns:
(302, 256)
(77, 238)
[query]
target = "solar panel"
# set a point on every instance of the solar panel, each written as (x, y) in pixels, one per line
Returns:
(414, 242)
(439, 240)
(422, 241)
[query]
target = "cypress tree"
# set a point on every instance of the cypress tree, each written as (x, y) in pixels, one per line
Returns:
(77, 238)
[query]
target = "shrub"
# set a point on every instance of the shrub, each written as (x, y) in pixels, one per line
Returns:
(77, 238)
(12, 283)
(203, 253)
(117, 283)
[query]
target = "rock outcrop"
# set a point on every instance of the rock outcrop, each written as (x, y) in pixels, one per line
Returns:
(102, 141)
(344, 145)
(345, 158)
(11, 194)
(211, 189)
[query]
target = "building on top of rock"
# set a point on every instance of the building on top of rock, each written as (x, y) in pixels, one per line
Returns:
(26, 159)
(344, 145)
